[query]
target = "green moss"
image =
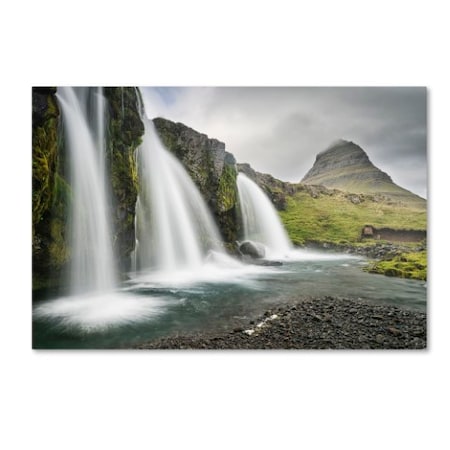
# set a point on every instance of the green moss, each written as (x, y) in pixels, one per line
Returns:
(51, 195)
(407, 265)
(59, 250)
(227, 199)
(125, 131)
(227, 191)
(44, 161)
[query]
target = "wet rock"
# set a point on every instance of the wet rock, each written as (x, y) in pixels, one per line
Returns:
(253, 249)
(394, 331)
(261, 262)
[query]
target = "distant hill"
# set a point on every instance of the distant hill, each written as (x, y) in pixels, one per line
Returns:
(345, 166)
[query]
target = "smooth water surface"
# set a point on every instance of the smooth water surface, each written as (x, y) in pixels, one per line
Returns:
(220, 297)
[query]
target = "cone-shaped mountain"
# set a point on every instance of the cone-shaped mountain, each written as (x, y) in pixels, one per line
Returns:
(345, 166)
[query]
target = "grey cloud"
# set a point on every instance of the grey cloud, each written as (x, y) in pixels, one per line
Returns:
(280, 130)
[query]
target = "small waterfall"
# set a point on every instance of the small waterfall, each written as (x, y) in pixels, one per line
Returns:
(260, 219)
(174, 229)
(84, 133)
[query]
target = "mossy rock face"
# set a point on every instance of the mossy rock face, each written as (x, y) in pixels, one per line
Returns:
(406, 265)
(212, 169)
(51, 194)
(125, 131)
(227, 202)
(45, 150)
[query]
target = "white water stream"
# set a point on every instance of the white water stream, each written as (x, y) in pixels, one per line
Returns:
(260, 219)
(174, 228)
(92, 258)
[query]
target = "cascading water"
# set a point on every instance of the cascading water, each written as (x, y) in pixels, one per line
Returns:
(174, 229)
(92, 258)
(260, 219)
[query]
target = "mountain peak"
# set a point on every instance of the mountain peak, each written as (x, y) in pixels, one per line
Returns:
(337, 143)
(344, 165)
(339, 157)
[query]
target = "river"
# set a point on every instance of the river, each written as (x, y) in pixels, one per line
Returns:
(221, 298)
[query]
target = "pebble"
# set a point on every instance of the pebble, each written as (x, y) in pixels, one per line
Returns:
(315, 323)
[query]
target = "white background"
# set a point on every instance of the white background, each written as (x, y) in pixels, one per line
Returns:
(217, 400)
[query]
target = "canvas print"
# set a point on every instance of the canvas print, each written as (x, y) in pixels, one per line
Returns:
(229, 217)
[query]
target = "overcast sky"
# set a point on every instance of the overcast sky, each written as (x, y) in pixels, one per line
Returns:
(280, 130)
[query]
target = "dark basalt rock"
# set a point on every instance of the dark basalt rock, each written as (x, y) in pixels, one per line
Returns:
(253, 249)
(125, 131)
(261, 262)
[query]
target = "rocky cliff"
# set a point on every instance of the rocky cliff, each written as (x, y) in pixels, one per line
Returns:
(211, 168)
(125, 131)
(275, 189)
(345, 166)
(51, 195)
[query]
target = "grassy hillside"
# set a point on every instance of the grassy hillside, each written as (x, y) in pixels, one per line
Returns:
(338, 217)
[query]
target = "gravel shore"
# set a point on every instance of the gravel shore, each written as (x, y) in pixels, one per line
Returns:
(318, 323)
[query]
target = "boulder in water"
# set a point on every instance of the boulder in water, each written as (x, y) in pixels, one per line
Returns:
(252, 249)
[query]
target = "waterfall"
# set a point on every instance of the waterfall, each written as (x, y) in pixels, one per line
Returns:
(260, 219)
(84, 134)
(174, 228)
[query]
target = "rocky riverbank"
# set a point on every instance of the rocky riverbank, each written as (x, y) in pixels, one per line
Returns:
(317, 323)
(373, 250)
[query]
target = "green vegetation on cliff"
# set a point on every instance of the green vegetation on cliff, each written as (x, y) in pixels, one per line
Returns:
(51, 195)
(45, 151)
(125, 131)
(227, 191)
(227, 200)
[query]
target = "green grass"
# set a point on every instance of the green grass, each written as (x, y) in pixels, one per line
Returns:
(335, 219)
(407, 265)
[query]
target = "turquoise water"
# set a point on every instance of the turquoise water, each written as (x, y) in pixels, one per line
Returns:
(151, 308)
